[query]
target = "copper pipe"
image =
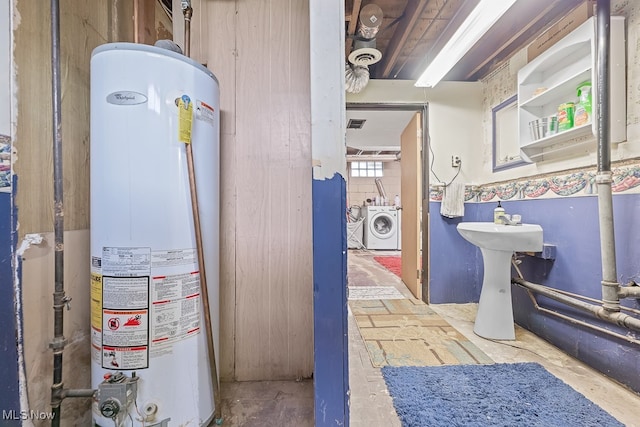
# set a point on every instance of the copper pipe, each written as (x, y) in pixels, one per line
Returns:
(188, 12)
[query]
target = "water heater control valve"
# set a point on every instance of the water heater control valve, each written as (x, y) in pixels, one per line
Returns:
(115, 394)
(110, 407)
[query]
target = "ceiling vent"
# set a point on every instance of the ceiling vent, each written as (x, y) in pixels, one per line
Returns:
(356, 123)
(365, 53)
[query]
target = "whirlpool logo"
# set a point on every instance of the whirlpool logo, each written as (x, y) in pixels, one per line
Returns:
(126, 98)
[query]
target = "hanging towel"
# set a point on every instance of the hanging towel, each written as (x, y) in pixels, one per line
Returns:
(453, 200)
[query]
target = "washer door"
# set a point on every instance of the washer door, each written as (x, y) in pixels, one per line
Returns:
(383, 226)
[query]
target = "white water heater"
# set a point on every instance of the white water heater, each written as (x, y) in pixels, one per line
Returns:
(149, 342)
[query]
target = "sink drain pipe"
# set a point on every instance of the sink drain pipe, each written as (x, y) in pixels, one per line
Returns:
(610, 285)
(612, 291)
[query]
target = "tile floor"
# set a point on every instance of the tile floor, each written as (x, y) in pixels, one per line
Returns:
(290, 403)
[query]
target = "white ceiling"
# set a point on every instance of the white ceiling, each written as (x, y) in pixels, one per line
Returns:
(381, 131)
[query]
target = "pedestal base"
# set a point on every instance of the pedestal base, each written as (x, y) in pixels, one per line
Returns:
(495, 309)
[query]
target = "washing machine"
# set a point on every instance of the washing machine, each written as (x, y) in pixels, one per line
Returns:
(381, 227)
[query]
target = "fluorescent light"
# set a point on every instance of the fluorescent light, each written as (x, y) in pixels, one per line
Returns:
(485, 14)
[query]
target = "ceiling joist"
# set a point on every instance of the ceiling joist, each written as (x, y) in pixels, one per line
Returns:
(403, 30)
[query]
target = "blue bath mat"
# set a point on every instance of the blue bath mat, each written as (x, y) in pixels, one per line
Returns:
(499, 395)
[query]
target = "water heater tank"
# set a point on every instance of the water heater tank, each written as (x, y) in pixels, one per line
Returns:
(149, 347)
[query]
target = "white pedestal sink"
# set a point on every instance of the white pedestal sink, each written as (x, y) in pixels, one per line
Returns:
(498, 242)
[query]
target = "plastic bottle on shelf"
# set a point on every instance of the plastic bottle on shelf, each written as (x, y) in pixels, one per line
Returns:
(566, 113)
(582, 113)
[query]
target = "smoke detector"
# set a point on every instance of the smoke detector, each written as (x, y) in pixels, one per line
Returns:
(365, 56)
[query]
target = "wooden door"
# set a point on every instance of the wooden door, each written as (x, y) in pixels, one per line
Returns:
(411, 185)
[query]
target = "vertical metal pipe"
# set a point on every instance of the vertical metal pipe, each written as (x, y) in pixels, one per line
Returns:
(217, 417)
(188, 12)
(58, 343)
(603, 31)
(424, 197)
(610, 286)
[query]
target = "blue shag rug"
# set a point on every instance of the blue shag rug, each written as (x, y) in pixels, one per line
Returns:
(499, 395)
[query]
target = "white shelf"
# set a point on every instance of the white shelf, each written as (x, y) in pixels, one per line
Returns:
(559, 70)
(564, 136)
(565, 88)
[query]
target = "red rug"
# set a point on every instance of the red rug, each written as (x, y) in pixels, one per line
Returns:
(391, 263)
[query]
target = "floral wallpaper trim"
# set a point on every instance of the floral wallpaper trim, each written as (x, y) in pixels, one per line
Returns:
(5, 162)
(577, 183)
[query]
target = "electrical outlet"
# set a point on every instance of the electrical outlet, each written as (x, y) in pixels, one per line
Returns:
(456, 161)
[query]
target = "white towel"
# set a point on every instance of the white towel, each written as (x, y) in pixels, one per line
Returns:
(453, 200)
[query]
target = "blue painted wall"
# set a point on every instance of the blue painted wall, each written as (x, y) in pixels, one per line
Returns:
(570, 223)
(331, 371)
(9, 393)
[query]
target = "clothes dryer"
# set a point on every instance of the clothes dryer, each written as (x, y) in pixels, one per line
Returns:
(381, 227)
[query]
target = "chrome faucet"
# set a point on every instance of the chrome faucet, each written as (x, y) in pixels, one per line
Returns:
(507, 220)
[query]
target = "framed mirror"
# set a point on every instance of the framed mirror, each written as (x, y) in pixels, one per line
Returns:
(506, 148)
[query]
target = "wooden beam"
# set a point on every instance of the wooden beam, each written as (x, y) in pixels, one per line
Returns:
(353, 22)
(144, 21)
(396, 45)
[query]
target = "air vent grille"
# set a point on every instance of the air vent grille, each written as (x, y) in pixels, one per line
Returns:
(356, 123)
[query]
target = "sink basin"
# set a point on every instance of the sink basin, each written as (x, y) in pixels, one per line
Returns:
(500, 237)
(498, 242)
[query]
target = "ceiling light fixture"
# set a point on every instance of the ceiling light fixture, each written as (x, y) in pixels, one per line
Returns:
(485, 14)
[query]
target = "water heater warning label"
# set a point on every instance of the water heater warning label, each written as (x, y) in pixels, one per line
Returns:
(125, 328)
(125, 357)
(96, 316)
(125, 322)
(125, 292)
(175, 308)
(204, 112)
(170, 258)
(126, 261)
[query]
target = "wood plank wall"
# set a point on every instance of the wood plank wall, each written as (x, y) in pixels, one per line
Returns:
(259, 51)
(83, 26)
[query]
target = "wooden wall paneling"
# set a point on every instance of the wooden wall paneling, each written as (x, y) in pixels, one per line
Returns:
(278, 66)
(144, 21)
(163, 24)
(217, 45)
(75, 67)
(258, 51)
(199, 29)
(83, 26)
(34, 167)
(119, 21)
(300, 209)
(254, 275)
